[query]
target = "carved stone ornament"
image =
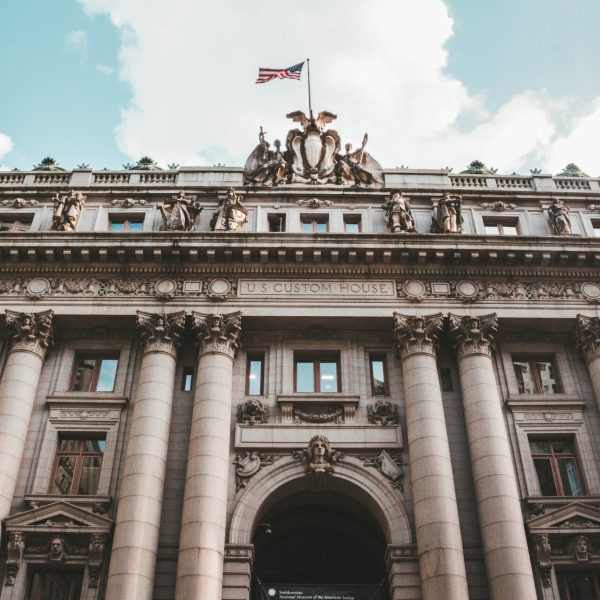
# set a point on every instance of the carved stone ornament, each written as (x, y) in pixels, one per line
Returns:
(161, 333)
(390, 466)
(129, 202)
(383, 412)
(447, 215)
(19, 202)
(218, 333)
(473, 335)
(416, 334)
(253, 411)
(14, 555)
(95, 558)
(559, 217)
(67, 210)
(581, 548)
(249, 464)
(543, 551)
(318, 457)
(57, 548)
(231, 215)
(499, 205)
(220, 289)
(30, 331)
(179, 214)
(398, 216)
(313, 202)
(588, 336)
(312, 156)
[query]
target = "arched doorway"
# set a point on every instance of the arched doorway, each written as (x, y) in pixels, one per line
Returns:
(316, 538)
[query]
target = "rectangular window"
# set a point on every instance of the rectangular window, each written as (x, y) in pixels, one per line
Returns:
(579, 585)
(536, 374)
(352, 223)
(255, 375)
(59, 584)
(187, 381)
(446, 379)
(94, 372)
(317, 373)
(77, 466)
(315, 224)
(276, 222)
(125, 225)
(556, 467)
(15, 225)
(596, 227)
(378, 375)
(498, 226)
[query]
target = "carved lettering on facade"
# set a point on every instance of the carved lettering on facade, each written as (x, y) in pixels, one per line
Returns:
(344, 289)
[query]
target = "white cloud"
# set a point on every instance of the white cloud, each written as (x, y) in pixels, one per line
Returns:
(77, 38)
(191, 65)
(6, 145)
(104, 69)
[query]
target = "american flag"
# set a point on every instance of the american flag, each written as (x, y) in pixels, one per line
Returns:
(294, 72)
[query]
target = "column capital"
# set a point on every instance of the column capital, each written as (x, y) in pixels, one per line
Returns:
(218, 333)
(473, 334)
(416, 334)
(587, 332)
(159, 332)
(30, 332)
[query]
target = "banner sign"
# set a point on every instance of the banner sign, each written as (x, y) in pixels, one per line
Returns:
(276, 591)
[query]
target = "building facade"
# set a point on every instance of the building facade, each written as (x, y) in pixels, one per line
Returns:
(307, 374)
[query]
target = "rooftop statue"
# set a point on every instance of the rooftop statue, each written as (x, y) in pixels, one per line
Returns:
(67, 210)
(559, 218)
(398, 216)
(312, 155)
(447, 217)
(231, 214)
(179, 214)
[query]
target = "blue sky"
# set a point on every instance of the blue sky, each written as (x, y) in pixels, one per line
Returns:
(104, 81)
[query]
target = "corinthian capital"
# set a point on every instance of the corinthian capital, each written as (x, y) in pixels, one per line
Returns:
(161, 333)
(218, 333)
(30, 332)
(473, 335)
(588, 336)
(416, 335)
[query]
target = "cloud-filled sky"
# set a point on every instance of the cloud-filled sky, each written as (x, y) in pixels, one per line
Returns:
(435, 83)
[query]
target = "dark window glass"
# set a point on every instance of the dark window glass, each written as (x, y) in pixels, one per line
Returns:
(579, 585)
(254, 374)
(446, 380)
(378, 375)
(77, 466)
(276, 222)
(317, 374)
(536, 375)
(94, 373)
(15, 225)
(54, 585)
(556, 467)
(188, 379)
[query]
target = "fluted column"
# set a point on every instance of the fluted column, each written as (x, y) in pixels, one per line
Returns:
(503, 534)
(202, 536)
(439, 542)
(588, 340)
(31, 335)
(133, 557)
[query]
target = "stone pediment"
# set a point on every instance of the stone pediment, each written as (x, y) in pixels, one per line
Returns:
(59, 516)
(572, 518)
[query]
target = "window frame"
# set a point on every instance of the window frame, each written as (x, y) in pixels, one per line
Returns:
(499, 223)
(317, 358)
(314, 220)
(379, 356)
(352, 219)
(277, 217)
(531, 359)
(562, 584)
(76, 572)
(17, 221)
(127, 220)
(99, 356)
(187, 371)
(255, 356)
(554, 463)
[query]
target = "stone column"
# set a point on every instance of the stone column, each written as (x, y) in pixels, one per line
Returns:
(507, 559)
(439, 542)
(31, 335)
(202, 537)
(588, 340)
(133, 558)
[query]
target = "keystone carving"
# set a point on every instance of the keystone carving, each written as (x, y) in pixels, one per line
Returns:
(581, 548)
(499, 205)
(30, 331)
(218, 333)
(588, 336)
(416, 335)
(389, 466)
(249, 464)
(559, 218)
(95, 557)
(179, 214)
(398, 216)
(14, 555)
(318, 457)
(231, 214)
(543, 553)
(383, 412)
(473, 335)
(57, 548)
(67, 210)
(447, 215)
(253, 411)
(19, 202)
(161, 333)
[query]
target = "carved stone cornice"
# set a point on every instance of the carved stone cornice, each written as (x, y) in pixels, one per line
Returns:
(218, 333)
(30, 332)
(161, 333)
(473, 334)
(588, 337)
(416, 335)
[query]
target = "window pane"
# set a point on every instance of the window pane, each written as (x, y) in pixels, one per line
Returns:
(446, 380)
(84, 374)
(90, 475)
(60, 585)
(305, 379)
(117, 226)
(188, 375)
(96, 446)
(136, 225)
(569, 477)
(106, 377)
(545, 477)
(596, 230)
(22, 226)
(321, 227)
(578, 586)
(509, 229)
(255, 377)
(307, 226)
(547, 378)
(378, 377)
(540, 447)
(352, 227)
(328, 377)
(524, 377)
(491, 229)
(63, 477)
(277, 223)
(69, 446)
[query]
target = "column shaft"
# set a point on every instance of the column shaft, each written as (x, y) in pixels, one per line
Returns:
(588, 338)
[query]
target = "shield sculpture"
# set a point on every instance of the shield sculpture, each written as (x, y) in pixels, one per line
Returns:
(312, 148)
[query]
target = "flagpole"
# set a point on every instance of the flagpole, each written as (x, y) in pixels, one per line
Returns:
(309, 99)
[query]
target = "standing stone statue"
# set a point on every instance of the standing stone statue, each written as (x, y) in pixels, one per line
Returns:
(265, 166)
(447, 217)
(67, 210)
(180, 213)
(231, 214)
(398, 214)
(559, 218)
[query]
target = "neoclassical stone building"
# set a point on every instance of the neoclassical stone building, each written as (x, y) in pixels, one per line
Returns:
(307, 375)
